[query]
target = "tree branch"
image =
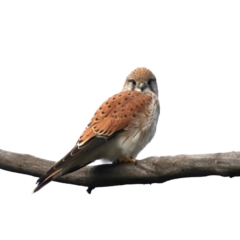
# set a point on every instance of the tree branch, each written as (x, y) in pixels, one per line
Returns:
(146, 171)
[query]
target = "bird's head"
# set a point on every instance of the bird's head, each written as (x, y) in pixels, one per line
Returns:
(141, 80)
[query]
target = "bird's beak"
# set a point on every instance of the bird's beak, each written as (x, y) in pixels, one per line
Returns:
(142, 86)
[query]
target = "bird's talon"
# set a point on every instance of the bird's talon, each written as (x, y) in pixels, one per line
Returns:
(127, 160)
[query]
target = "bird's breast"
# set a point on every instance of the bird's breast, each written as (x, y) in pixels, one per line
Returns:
(131, 141)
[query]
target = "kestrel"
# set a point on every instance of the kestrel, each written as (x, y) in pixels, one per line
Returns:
(118, 131)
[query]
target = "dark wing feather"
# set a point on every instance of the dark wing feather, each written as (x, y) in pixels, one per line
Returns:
(74, 154)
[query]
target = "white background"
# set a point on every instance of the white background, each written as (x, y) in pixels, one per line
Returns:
(59, 60)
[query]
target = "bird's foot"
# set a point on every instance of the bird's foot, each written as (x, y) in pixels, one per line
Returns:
(127, 160)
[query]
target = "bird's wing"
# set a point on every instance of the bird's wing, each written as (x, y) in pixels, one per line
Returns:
(115, 115)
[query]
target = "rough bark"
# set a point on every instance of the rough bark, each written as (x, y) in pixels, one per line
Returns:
(147, 171)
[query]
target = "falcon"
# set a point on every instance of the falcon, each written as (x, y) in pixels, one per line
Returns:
(122, 126)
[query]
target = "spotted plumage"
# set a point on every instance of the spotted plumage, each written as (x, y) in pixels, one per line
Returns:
(118, 131)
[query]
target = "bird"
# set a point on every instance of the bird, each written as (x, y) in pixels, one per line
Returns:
(121, 127)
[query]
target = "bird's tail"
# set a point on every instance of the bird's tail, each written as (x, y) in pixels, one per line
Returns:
(73, 161)
(46, 178)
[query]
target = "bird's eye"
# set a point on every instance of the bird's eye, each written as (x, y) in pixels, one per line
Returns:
(150, 81)
(132, 81)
